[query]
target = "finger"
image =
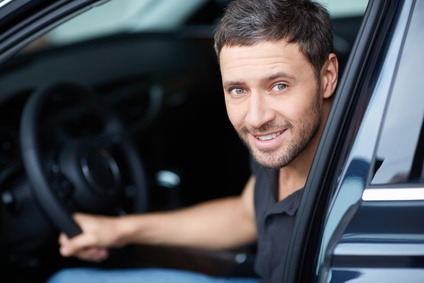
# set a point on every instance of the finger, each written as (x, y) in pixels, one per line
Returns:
(63, 238)
(93, 254)
(72, 246)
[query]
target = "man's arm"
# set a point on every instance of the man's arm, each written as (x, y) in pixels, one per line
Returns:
(221, 223)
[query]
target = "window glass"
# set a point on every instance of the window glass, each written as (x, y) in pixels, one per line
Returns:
(153, 15)
(399, 155)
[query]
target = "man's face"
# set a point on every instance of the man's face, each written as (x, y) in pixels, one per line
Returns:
(273, 99)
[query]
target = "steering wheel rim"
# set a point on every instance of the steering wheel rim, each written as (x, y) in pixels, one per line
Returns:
(87, 163)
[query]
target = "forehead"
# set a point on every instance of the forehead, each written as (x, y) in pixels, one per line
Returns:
(262, 59)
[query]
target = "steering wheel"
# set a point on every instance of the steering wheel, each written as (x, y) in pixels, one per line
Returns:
(99, 172)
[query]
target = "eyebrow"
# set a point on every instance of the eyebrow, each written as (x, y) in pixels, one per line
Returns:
(227, 84)
(272, 77)
(280, 75)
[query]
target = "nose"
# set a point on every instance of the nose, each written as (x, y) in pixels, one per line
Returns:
(259, 110)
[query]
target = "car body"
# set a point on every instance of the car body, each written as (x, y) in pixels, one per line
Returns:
(126, 115)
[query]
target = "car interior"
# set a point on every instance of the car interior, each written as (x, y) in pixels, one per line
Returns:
(153, 99)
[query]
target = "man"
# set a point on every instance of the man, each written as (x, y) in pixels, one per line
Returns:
(279, 75)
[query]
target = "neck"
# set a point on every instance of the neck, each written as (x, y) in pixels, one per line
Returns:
(292, 178)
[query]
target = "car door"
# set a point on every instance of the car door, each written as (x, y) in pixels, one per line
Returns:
(360, 219)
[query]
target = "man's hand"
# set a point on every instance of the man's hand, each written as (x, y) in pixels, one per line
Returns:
(98, 235)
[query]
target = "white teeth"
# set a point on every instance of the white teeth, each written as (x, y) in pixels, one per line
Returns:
(268, 137)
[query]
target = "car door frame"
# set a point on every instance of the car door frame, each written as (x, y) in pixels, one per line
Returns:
(331, 159)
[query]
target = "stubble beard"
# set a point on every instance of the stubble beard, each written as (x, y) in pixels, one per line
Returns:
(299, 141)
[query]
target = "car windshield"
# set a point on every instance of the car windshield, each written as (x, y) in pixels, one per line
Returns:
(154, 16)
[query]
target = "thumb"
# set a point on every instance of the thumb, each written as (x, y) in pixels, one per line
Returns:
(69, 247)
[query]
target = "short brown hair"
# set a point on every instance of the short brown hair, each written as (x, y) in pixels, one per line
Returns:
(305, 22)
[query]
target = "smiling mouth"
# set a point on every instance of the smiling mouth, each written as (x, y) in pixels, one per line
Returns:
(268, 137)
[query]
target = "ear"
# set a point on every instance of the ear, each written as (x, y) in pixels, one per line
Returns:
(329, 76)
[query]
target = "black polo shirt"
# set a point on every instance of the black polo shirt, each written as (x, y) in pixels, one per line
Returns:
(274, 221)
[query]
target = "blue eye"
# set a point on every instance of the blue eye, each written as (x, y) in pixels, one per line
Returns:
(237, 91)
(279, 87)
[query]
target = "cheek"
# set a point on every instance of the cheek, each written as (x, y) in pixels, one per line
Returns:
(235, 115)
(305, 105)
(290, 110)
